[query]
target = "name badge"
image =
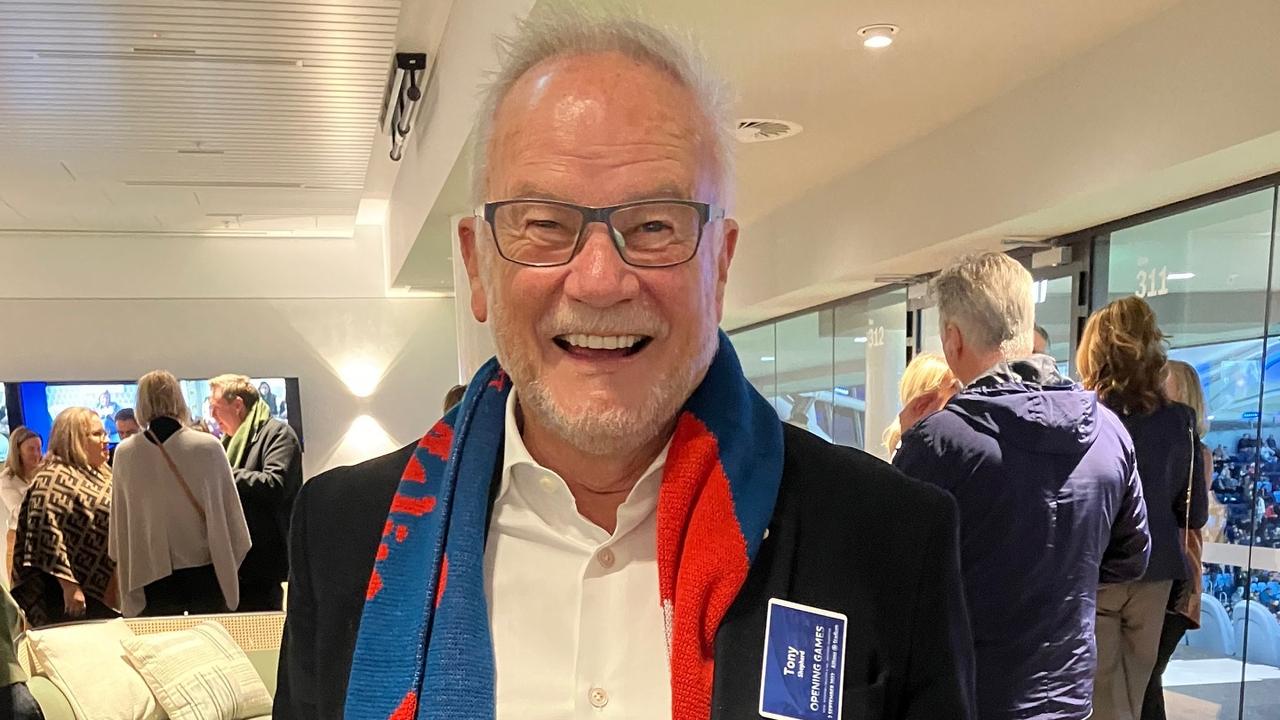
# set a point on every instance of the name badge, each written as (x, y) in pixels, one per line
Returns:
(803, 673)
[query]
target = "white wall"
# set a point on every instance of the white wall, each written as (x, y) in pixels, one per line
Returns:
(116, 266)
(406, 345)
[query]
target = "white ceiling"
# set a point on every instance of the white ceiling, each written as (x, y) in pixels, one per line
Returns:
(806, 64)
(245, 116)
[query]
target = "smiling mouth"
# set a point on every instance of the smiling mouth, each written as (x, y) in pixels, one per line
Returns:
(602, 346)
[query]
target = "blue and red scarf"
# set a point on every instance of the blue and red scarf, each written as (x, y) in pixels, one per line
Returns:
(425, 649)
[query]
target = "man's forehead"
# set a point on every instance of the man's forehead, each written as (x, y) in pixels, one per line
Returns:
(629, 129)
(605, 95)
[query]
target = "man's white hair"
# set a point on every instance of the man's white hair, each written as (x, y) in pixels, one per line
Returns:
(569, 29)
(988, 296)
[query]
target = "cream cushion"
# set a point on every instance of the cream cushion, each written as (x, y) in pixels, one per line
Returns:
(199, 674)
(87, 664)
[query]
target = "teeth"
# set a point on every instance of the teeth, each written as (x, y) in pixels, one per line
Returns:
(602, 342)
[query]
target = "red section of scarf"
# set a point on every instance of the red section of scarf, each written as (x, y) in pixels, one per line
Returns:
(408, 709)
(702, 562)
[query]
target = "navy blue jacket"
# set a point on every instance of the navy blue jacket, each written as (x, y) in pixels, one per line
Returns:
(1169, 459)
(1050, 505)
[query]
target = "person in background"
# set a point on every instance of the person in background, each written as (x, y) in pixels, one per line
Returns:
(1040, 343)
(608, 485)
(15, 480)
(61, 568)
(1122, 358)
(268, 397)
(1182, 384)
(126, 424)
(266, 462)
(454, 396)
(107, 409)
(926, 386)
(1048, 489)
(16, 702)
(178, 533)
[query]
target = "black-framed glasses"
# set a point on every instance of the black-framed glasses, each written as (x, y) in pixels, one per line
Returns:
(647, 233)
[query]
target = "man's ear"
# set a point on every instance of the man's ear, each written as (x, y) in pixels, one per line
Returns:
(467, 234)
(728, 246)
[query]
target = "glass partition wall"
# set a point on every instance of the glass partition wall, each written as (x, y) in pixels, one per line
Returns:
(1207, 272)
(834, 370)
(1208, 268)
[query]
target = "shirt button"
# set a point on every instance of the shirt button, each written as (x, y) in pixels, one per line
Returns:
(605, 558)
(548, 484)
(599, 698)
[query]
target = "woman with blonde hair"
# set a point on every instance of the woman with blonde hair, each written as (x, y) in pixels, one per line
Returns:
(925, 387)
(1182, 384)
(178, 531)
(1122, 358)
(61, 568)
(15, 480)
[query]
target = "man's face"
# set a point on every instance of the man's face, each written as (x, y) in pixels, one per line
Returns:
(601, 130)
(1040, 346)
(127, 428)
(228, 411)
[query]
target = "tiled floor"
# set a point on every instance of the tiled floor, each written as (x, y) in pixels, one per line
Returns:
(1209, 689)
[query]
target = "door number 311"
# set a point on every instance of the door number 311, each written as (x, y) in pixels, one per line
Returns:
(1153, 283)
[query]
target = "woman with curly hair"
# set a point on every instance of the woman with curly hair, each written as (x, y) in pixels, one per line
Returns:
(1122, 358)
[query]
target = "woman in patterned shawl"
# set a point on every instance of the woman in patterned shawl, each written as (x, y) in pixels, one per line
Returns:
(61, 569)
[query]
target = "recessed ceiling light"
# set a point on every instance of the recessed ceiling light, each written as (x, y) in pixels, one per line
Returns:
(878, 36)
(1181, 276)
(767, 358)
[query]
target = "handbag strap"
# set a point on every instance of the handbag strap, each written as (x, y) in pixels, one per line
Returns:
(186, 489)
(1191, 480)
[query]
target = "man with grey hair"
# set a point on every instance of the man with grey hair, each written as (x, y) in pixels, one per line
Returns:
(1047, 483)
(610, 520)
(266, 461)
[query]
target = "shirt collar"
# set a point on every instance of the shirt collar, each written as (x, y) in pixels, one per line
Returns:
(518, 465)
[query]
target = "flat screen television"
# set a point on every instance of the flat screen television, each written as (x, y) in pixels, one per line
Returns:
(40, 402)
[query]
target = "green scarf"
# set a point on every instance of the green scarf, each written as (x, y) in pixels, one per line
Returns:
(238, 444)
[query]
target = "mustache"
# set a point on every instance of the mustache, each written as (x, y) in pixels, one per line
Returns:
(626, 320)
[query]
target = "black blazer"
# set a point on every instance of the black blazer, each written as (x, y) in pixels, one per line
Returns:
(1173, 483)
(268, 481)
(849, 534)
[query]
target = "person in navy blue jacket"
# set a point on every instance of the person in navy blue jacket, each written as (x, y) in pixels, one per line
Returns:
(1047, 483)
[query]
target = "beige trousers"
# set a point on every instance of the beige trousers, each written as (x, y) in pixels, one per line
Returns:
(1130, 617)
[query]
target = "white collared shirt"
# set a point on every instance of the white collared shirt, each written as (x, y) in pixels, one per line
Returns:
(577, 625)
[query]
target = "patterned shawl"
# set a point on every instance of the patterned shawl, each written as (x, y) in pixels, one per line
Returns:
(62, 533)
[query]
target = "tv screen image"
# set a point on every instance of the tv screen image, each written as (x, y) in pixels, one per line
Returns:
(4, 426)
(107, 399)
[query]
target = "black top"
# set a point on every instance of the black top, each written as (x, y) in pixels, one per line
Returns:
(1168, 459)
(849, 534)
(268, 481)
(163, 428)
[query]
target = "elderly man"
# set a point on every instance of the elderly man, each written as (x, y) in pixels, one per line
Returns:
(1047, 483)
(614, 523)
(266, 461)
